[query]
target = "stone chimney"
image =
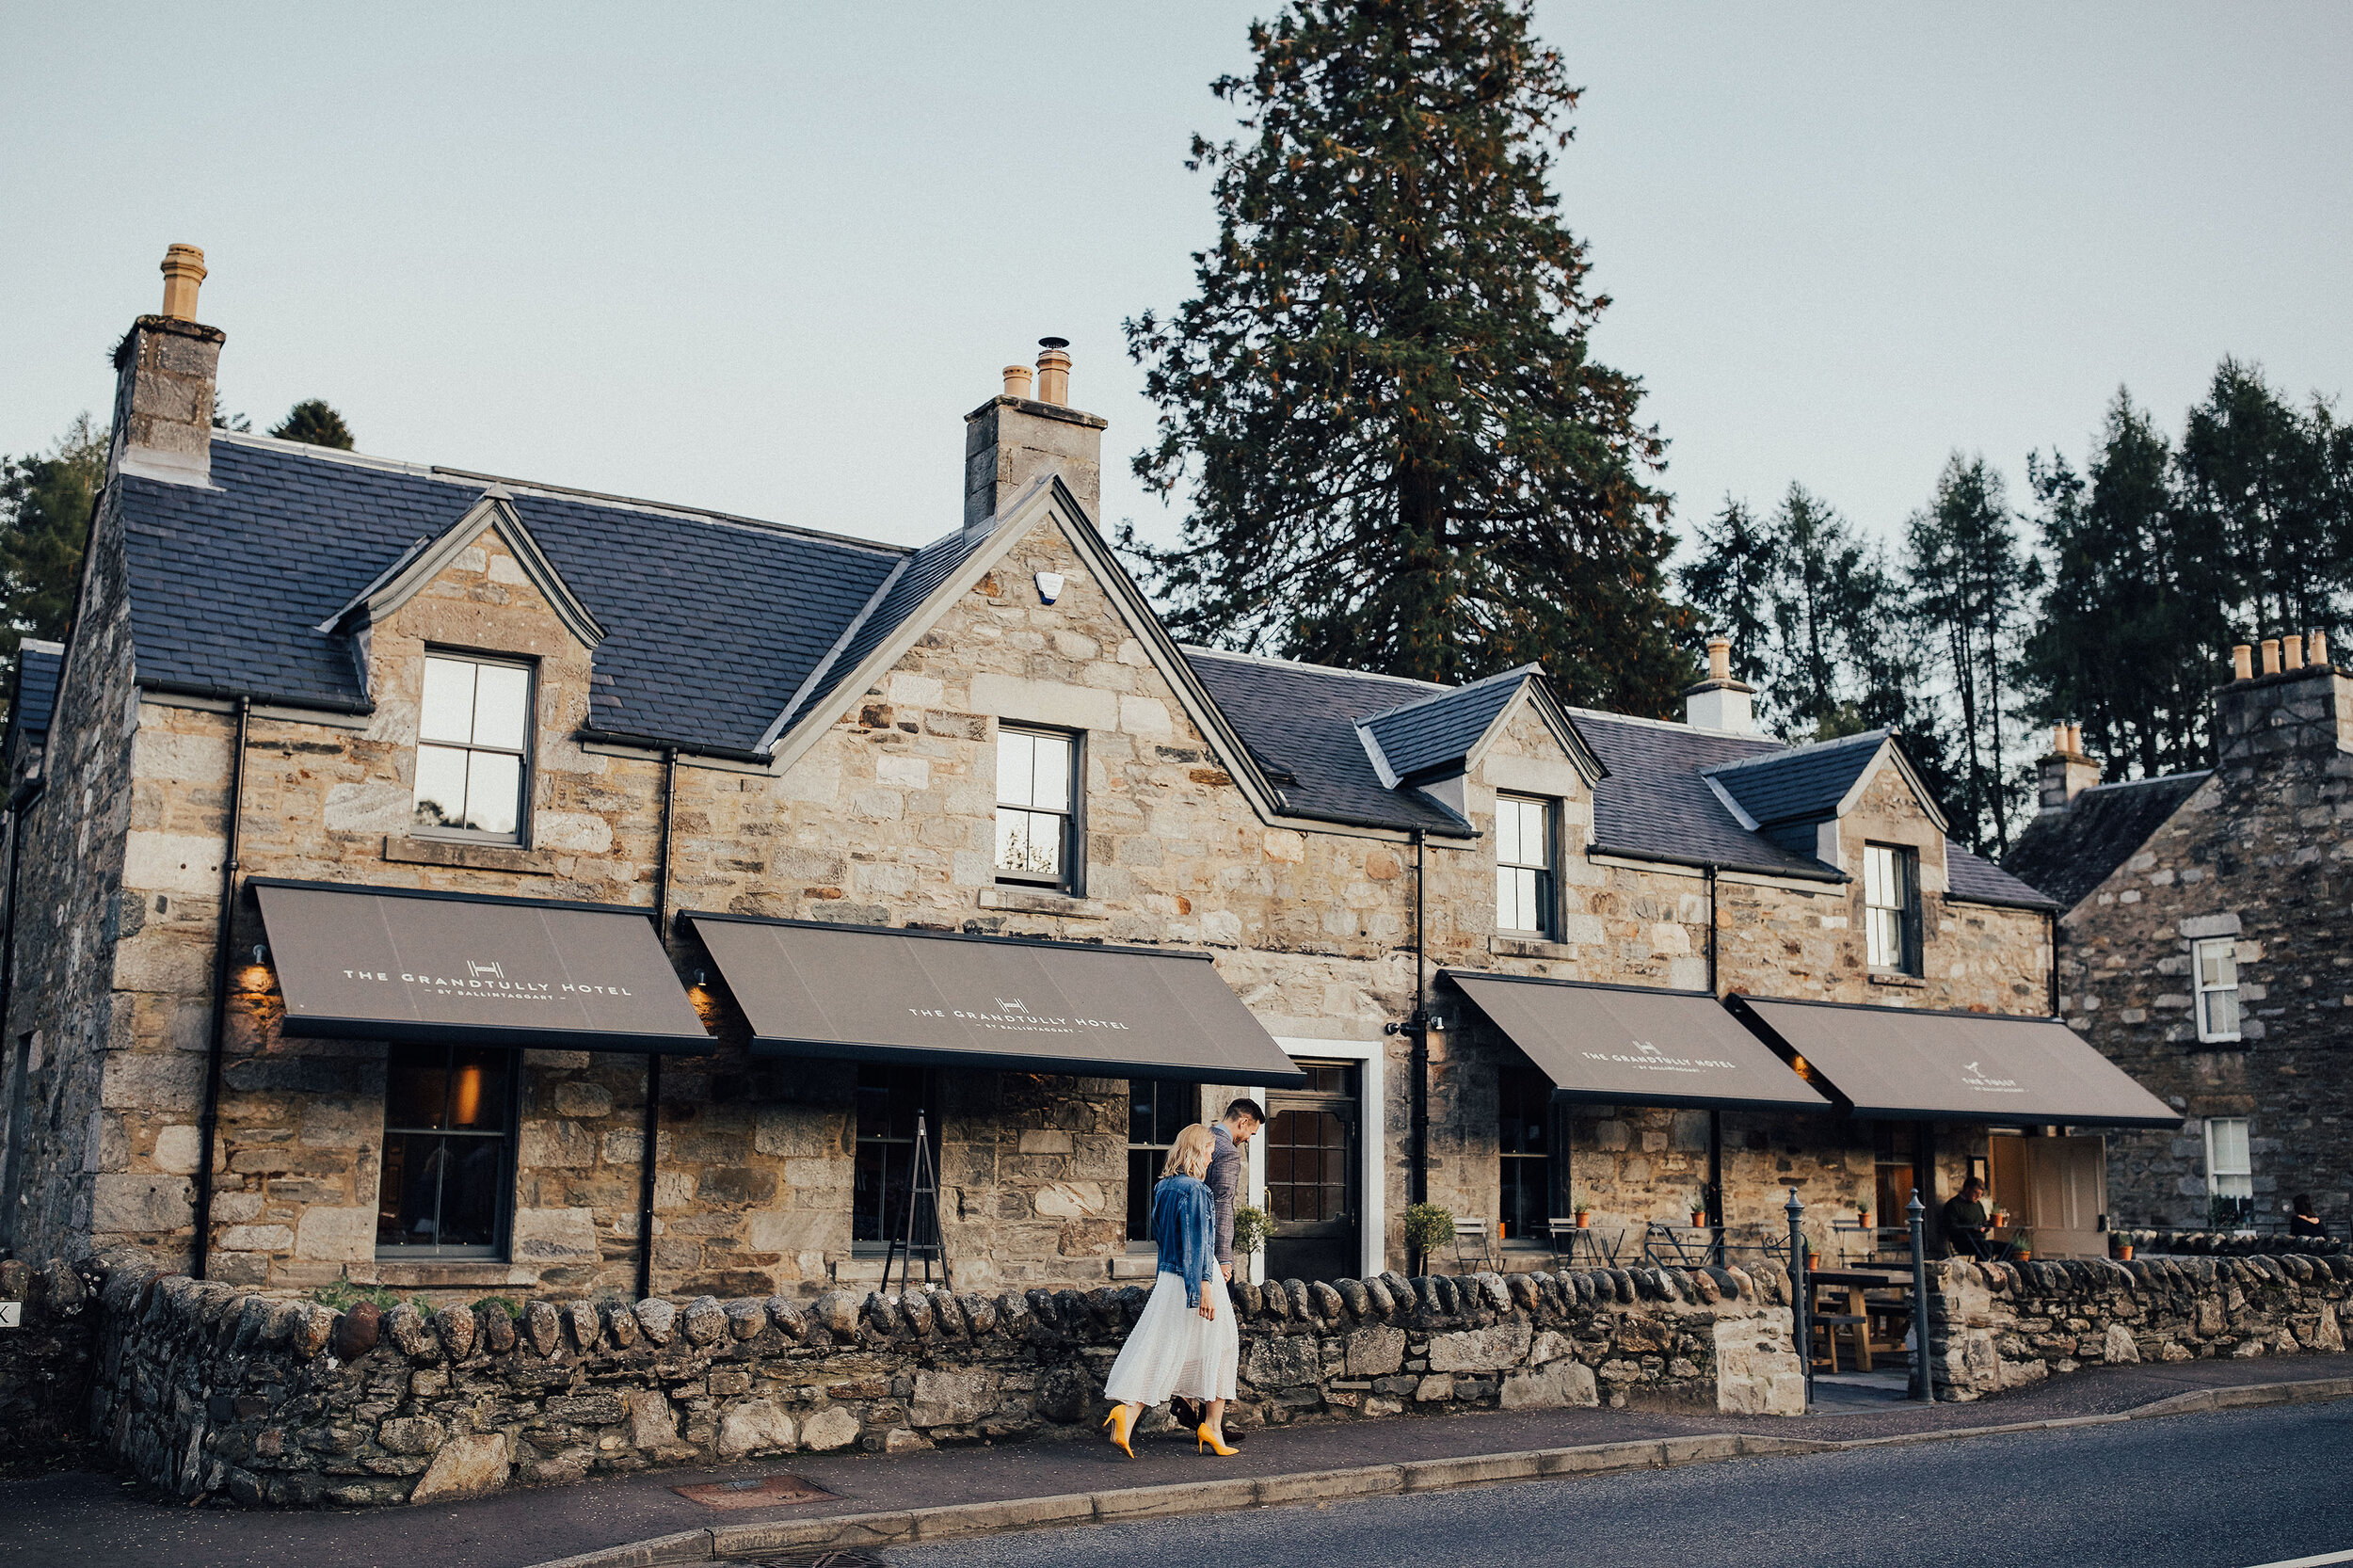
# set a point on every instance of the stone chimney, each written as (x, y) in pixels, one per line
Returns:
(164, 369)
(1720, 702)
(2298, 710)
(1011, 439)
(2066, 771)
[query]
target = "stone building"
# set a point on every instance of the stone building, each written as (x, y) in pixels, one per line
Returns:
(2202, 951)
(461, 882)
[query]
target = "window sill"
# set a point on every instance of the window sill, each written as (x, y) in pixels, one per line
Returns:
(1040, 900)
(464, 852)
(1529, 947)
(1905, 982)
(450, 1274)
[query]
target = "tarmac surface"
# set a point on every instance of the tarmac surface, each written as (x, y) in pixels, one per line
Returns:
(75, 1517)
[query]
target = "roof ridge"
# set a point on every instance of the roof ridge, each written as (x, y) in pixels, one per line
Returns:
(1679, 725)
(1877, 738)
(40, 644)
(2156, 779)
(1240, 657)
(1520, 673)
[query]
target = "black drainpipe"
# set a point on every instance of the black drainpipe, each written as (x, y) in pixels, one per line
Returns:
(1715, 1212)
(653, 1062)
(210, 1121)
(1419, 1176)
(2050, 927)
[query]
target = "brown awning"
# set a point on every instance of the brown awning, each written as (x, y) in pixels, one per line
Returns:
(1635, 1044)
(869, 993)
(400, 964)
(1906, 1063)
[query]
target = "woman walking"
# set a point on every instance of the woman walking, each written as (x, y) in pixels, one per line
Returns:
(1187, 1341)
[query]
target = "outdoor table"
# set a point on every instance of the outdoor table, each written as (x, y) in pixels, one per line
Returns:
(1681, 1242)
(1596, 1245)
(1852, 1282)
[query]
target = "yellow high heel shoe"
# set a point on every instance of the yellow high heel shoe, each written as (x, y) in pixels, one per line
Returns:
(1122, 1420)
(1204, 1438)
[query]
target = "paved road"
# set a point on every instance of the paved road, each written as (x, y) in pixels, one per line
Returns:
(2228, 1490)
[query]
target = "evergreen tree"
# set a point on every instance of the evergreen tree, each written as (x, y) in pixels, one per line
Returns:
(313, 422)
(2268, 483)
(1379, 403)
(2134, 628)
(1970, 587)
(45, 507)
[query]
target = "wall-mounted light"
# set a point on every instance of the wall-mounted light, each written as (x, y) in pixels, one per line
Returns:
(261, 953)
(701, 978)
(1049, 585)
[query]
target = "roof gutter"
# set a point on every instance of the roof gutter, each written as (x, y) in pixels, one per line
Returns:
(233, 694)
(659, 745)
(1702, 863)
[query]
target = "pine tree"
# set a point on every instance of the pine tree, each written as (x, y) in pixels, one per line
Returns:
(314, 423)
(1379, 403)
(44, 522)
(1970, 585)
(2270, 483)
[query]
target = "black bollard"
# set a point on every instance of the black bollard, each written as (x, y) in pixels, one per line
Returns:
(1923, 1386)
(1800, 1297)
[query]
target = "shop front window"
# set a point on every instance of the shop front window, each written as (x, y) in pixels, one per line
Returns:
(449, 1170)
(888, 1101)
(1524, 1146)
(1155, 1114)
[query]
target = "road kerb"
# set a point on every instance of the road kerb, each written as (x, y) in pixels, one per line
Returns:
(1225, 1494)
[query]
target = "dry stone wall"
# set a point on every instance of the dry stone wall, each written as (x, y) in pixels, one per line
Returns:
(208, 1389)
(1995, 1326)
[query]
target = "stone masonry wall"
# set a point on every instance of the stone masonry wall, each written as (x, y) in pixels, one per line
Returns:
(2262, 852)
(46, 1363)
(885, 820)
(1995, 1326)
(208, 1389)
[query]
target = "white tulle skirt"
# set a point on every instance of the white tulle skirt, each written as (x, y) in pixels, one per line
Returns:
(1174, 1350)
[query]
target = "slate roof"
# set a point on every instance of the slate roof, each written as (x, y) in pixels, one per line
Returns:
(1299, 721)
(1980, 881)
(1656, 802)
(2068, 854)
(1428, 735)
(37, 665)
(712, 621)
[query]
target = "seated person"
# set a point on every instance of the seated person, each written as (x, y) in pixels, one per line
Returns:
(2304, 1222)
(1965, 1222)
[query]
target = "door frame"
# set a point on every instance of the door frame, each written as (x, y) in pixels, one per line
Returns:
(1373, 1210)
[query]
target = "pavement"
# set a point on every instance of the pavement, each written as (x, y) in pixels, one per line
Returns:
(75, 1517)
(2230, 1489)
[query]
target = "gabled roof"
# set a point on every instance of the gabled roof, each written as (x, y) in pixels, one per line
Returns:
(1432, 734)
(2068, 854)
(1300, 722)
(1803, 783)
(712, 622)
(427, 558)
(1656, 804)
(38, 665)
(1980, 881)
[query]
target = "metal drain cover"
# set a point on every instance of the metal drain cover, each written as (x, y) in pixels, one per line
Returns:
(824, 1560)
(761, 1492)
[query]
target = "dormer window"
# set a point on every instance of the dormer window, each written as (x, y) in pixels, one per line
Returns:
(1891, 907)
(474, 748)
(1037, 833)
(1524, 866)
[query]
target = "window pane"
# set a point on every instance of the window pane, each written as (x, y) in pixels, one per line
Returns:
(416, 1088)
(408, 1199)
(1049, 778)
(1879, 875)
(2226, 1143)
(2234, 1186)
(2221, 1013)
(2217, 964)
(448, 706)
(1506, 830)
(1015, 762)
(1029, 842)
(469, 1192)
(441, 787)
(478, 1088)
(493, 790)
(501, 705)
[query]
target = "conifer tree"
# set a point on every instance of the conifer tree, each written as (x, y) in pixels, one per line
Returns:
(1398, 451)
(315, 422)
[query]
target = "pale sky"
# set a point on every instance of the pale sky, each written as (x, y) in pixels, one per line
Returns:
(766, 258)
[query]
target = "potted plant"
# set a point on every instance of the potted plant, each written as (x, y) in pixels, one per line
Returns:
(2120, 1246)
(1584, 1217)
(1427, 1227)
(1252, 1226)
(1863, 1219)
(2022, 1246)
(1699, 1213)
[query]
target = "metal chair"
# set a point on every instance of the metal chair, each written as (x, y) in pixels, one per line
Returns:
(1473, 1238)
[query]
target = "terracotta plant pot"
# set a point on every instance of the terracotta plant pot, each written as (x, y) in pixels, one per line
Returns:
(1698, 1218)
(1584, 1218)
(2125, 1252)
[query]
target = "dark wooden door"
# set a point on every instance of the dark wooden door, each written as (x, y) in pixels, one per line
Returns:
(1311, 1160)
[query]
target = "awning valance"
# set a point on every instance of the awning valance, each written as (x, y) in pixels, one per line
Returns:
(867, 993)
(1904, 1063)
(1635, 1044)
(400, 964)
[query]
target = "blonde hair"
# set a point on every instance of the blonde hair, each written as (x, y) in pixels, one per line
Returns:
(1190, 1155)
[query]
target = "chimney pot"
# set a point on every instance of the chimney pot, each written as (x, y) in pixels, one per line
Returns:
(2067, 772)
(2320, 647)
(2058, 740)
(182, 269)
(1017, 382)
(2075, 740)
(1720, 658)
(2241, 662)
(2271, 655)
(1053, 371)
(2291, 652)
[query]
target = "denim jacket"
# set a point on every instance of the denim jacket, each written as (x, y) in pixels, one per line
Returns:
(1184, 1225)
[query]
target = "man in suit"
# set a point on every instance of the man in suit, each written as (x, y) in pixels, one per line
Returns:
(1228, 1167)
